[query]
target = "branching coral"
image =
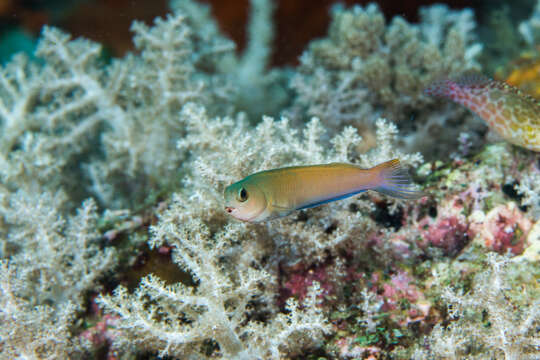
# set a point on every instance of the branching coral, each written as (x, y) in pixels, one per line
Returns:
(173, 68)
(70, 259)
(179, 320)
(52, 264)
(183, 106)
(29, 331)
(120, 118)
(257, 89)
(530, 29)
(365, 69)
(115, 116)
(274, 144)
(496, 319)
(225, 257)
(78, 124)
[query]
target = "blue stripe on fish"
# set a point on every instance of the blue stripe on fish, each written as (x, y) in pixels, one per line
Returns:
(330, 200)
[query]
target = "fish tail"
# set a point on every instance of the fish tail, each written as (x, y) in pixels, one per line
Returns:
(395, 181)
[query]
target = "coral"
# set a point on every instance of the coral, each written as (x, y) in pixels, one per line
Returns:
(29, 331)
(70, 257)
(449, 233)
(178, 320)
(494, 319)
(257, 89)
(117, 117)
(175, 66)
(530, 29)
(529, 187)
(197, 229)
(261, 91)
(365, 69)
(503, 229)
(525, 76)
(364, 276)
(52, 264)
(120, 119)
(275, 144)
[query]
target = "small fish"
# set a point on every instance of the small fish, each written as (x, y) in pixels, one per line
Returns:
(514, 115)
(275, 193)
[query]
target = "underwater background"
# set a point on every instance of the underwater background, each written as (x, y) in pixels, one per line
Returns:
(123, 122)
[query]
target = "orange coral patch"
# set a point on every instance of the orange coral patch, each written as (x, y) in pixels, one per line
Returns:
(527, 78)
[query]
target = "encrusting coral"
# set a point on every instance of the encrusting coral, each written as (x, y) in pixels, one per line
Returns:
(529, 187)
(363, 277)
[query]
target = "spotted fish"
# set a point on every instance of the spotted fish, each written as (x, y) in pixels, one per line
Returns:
(515, 116)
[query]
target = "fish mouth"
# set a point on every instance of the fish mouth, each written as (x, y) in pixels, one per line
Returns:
(232, 210)
(240, 213)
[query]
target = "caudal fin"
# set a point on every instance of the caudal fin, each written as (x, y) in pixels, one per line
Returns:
(396, 182)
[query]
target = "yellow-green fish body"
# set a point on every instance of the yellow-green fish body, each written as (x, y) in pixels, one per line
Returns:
(512, 114)
(274, 193)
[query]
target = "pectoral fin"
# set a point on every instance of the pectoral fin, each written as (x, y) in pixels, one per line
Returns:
(280, 211)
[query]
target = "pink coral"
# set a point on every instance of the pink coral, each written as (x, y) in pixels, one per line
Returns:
(348, 349)
(101, 334)
(504, 229)
(301, 278)
(448, 233)
(104, 330)
(400, 287)
(393, 293)
(397, 243)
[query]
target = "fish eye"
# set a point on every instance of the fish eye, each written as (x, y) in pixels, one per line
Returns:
(242, 195)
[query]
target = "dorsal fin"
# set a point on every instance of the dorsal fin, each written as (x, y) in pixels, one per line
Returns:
(449, 87)
(473, 79)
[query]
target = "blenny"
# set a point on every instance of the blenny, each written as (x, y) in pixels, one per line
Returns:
(275, 193)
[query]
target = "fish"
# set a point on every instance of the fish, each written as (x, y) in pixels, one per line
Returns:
(276, 193)
(514, 115)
